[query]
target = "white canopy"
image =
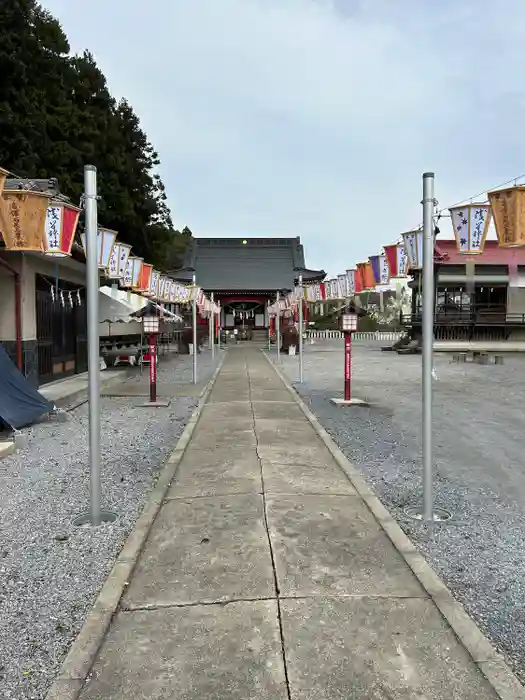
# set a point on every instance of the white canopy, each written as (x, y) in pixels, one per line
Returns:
(116, 306)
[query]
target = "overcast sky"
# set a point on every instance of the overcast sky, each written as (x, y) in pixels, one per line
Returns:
(315, 118)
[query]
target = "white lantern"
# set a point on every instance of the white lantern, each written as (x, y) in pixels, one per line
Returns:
(151, 324)
(348, 323)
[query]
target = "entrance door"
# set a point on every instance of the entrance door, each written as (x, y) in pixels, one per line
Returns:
(56, 329)
(44, 333)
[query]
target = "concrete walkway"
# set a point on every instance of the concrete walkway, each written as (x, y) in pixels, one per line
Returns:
(266, 577)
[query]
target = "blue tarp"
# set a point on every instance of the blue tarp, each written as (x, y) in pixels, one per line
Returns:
(20, 403)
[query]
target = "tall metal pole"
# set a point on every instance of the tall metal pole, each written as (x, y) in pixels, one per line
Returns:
(92, 292)
(301, 294)
(212, 328)
(194, 321)
(278, 328)
(428, 341)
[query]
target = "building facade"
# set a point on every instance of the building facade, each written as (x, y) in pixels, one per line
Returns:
(478, 297)
(245, 274)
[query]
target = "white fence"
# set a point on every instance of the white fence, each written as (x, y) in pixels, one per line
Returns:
(359, 335)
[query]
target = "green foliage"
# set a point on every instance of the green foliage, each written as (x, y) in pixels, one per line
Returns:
(57, 114)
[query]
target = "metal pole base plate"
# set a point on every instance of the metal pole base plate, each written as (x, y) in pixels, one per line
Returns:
(440, 515)
(352, 402)
(106, 516)
(155, 404)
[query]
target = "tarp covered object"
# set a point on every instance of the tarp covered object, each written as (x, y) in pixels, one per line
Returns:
(20, 404)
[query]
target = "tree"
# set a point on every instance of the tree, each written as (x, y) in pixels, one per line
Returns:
(57, 114)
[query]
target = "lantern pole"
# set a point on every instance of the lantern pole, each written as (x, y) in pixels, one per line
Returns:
(194, 321)
(212, 328)
(92, 292)
(428, 341)
(301, 364)
(278, 328)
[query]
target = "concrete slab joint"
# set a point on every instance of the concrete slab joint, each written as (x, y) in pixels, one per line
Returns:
(83, 652)
(263, 566)
(497, 673)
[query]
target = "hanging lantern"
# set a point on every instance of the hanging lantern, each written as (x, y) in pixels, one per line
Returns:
(508, 210)
(343, 286)
(23, 219)
(153, 290)
(59, 230)
(376, 268)
(173, 291)
(383, 269)
(131, 273)
(115, 269)
(3, 177)
(471, 224)
(105, 242)
(144, 280)
(413, 242)
(368, 277)
(350, 282)
(360, 278)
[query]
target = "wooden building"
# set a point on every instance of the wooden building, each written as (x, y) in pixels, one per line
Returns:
(244, 274)
(478, 297)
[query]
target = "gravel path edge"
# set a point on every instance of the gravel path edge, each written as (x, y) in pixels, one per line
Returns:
(81, 656)
(498, 674)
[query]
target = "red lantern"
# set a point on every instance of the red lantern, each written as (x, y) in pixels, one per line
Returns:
(60, 227)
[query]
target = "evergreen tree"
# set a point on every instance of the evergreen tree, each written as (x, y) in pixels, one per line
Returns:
(57, 114)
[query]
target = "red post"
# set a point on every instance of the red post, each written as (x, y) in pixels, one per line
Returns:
(153, 368)
(348, 366)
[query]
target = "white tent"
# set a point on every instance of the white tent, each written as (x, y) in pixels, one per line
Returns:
(116, 306)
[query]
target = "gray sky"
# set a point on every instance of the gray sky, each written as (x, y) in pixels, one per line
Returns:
(315, 118)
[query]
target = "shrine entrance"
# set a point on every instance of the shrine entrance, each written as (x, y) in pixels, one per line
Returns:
(245, 314)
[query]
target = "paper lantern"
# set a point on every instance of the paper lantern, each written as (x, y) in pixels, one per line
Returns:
(131, 273)
(23, 219)
(359, 278)
(154, 284)
(105, 242)
(383, 268)
(343, 286)
(144, 279)
(508, 210)
(59, 229)
(118, 261)
(471, 224)
(173, 292)
(376, 268)
(413, 242)
(162, 285)
(3, 177)
(350, 277)
(368, 277)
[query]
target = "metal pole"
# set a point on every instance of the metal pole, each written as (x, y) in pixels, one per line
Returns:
(194, 319)
(219, 327)
(92, 292)
(212, 328)
(278, 329)
(428, 341)
(301, 365)
(269, 329)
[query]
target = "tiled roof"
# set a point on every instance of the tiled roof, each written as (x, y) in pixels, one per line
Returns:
(245, 264)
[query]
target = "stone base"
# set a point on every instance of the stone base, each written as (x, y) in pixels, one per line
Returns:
(352, 402)
(155, 404)
(7, 448)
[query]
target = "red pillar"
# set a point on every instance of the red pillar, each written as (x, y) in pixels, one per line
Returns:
(153, 368)
(348, 366)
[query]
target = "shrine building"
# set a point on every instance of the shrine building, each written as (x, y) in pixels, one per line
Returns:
(244, 274)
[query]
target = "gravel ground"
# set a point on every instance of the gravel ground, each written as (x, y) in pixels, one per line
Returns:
(50, 571)
(479, 448)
